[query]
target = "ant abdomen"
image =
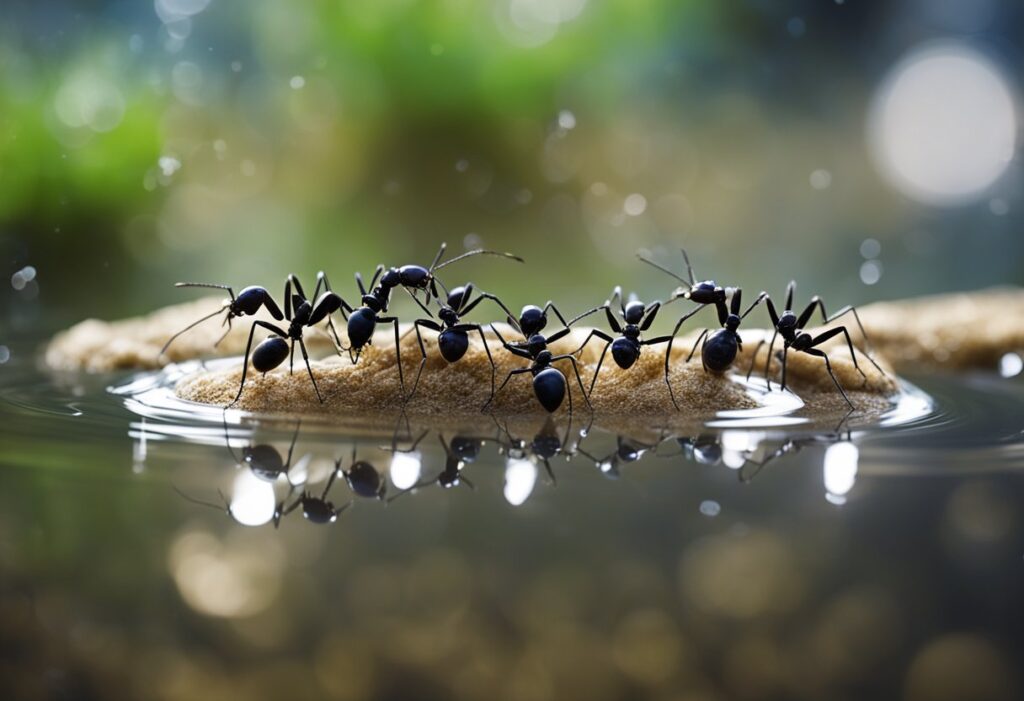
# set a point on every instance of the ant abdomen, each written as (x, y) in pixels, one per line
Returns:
(269, 354)
(453, 344)
(625, 351)
(549, 386)
(720, 350)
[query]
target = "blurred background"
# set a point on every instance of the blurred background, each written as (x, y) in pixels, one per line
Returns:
(867, 149)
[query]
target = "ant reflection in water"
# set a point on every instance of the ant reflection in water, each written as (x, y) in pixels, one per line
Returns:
(627, 451)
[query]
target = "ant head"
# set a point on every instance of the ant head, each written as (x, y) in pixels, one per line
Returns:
(532, 319)
(787, 321)
(536, 344)
(634, 312)
(457, 297)
(391, 278)
(732, 322)
(448, 316)
(705, 292)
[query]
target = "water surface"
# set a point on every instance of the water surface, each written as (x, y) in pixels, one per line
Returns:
(756, 557)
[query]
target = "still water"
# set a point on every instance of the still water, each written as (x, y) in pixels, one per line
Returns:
(151, 549)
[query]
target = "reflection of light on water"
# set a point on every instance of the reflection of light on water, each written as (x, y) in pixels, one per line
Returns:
(709, 507)
(1010, 365)
(737, 446)
(942, 127)
(228, 580)
(405, 469)
(252, 499)
(520, 478)
(840, 470)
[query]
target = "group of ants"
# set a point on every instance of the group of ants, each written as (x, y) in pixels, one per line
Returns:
(628, 321)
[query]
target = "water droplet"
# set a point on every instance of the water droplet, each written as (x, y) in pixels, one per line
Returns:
(634, 205)
(821, 179)
(297, 82)
(870, 248)
(710, 508)
(169, 165)
(1010, 365)
(566, 120)
(870, 272)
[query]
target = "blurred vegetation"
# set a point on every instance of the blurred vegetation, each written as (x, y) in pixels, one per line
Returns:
(238, 143)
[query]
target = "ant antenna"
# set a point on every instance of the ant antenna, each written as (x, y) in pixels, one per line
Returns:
(193, 324)
(474, 252)
(662, 268)
(200, 502)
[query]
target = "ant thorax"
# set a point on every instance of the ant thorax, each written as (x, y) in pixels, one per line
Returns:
(631, 331)
(543, 357)
(787, 321)
(448, 316)
(732, 322)
(536, 345)
(391, 278)
(376, 301)
(704, 292)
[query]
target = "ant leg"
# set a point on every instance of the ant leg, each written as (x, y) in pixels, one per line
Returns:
(753, 357)
(579, 380)
(419, 302)
(423, 359)
(785, 356)
(518, 371)
(551, 473)
(490, 359)
(521, 352)
(227, 321)
(790, 290)
(551, 305)
(291, 359)
(867, 342)
(248, 347)
(398, 348)
(649, 315)
(486, 295)
(693, 350)
(291, 448)
(821, 338)
(808, 311)
(828, 366)
(305, 356)
(608, 343)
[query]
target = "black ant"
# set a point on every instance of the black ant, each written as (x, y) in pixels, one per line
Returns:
(636, 318)
(549, 383)
(272, 351)
(627, 451)
(457, 456)
(363, 321)
(791, 328)
(364, 479)
(264, 460)
(317, 509)
(705, 293)
(719, 349)
(453, 334)
(247, 303)
(546, 444)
